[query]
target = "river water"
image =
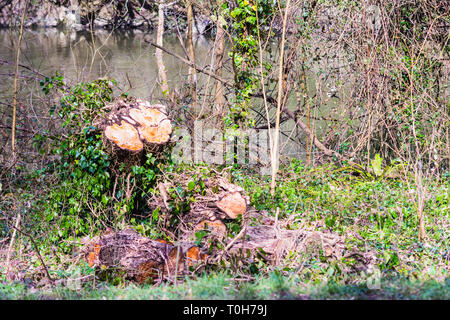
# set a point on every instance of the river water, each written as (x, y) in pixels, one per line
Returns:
(124, 56)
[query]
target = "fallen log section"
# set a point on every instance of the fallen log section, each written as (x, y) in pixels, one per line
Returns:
(201, 233)
(144, 260)
(233, 204)
(220, 201)
(141, 258)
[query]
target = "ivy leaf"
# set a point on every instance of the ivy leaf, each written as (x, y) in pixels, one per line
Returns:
(155, 213)
(236, 12)
(199, 236)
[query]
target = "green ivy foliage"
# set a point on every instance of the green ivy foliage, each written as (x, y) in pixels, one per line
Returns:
(250, 21)
(92, 187)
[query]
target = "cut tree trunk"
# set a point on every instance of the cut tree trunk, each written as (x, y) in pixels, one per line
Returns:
(141, 258)
(194, 255)
(216, 227)
(219, 200)
(133, 124)
(210, 208)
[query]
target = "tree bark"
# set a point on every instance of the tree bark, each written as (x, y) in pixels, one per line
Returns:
(192, 76)
(219, 97)
(275, 151)
(158, 53)
(16, 76)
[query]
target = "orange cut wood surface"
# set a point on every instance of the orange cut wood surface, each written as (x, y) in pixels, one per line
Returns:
(147, 117)
(140, 123)
(93, 255)
(91, 259)
(194, 255)
(160, 134)
(125, 136)
(233, 204)
(163, 241)
(154, 126)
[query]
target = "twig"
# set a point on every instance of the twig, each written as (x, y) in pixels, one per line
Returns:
(11, 244)
(16, 76)
(240, 234)
(23, 66)
(191, 64)
(317, 143)
(37, 252)
(163, 192)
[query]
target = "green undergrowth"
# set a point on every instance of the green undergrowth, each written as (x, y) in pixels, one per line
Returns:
(374, 216)
(88, 187)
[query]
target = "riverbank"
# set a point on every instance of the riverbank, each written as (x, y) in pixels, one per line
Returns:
(80, 15)
(377, 217)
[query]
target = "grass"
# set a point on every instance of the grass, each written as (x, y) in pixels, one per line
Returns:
(222, 286)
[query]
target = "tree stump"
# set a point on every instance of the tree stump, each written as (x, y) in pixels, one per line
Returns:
(133, 123)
